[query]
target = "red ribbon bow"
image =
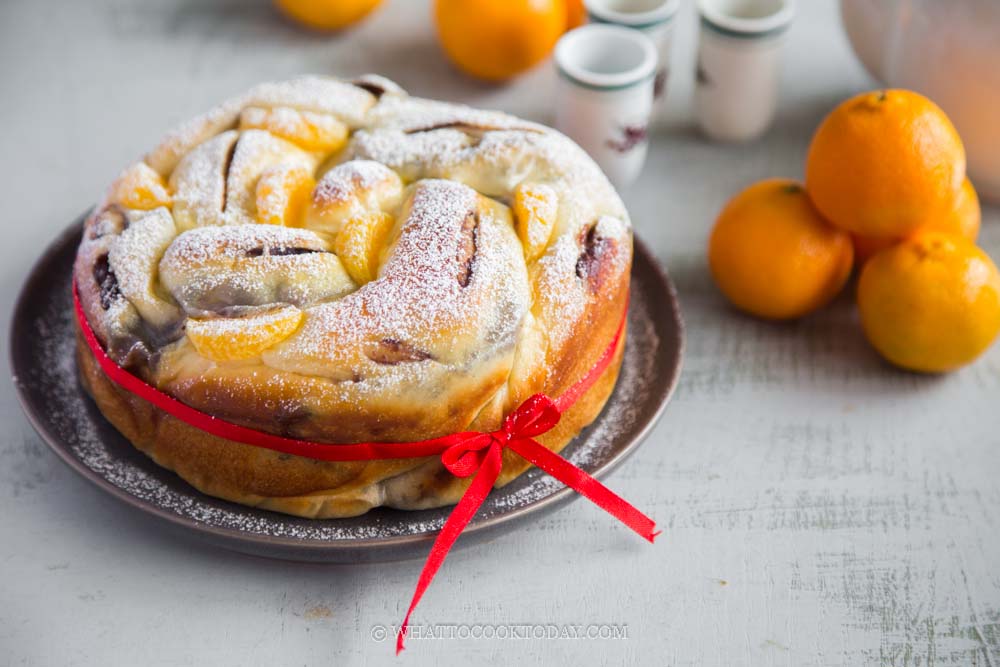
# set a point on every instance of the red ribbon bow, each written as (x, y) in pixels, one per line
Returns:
(465, 454)
(480, 454)
(535, 416)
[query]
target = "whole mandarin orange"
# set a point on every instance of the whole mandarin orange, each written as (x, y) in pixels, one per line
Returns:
(963, 219)
(930, 303)
(326, 14)
(882, 163)
(497, 39)
(774, 256)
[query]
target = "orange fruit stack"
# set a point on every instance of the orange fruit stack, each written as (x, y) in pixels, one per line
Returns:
(885, 173)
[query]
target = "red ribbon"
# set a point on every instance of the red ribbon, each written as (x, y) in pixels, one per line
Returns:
(464, 454)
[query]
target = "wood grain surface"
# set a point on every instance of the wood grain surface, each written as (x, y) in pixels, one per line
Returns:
(820, 508)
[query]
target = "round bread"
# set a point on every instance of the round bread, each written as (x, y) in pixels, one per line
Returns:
(340, 262)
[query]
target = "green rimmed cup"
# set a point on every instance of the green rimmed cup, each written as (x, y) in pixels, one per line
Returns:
(738, 65)
(654, 18)
(604, 95)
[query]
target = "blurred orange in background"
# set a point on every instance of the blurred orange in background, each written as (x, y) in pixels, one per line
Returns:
(498, 39)
(576, 14)
(326, 14)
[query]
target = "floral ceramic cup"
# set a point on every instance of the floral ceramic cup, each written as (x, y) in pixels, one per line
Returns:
(654, 18)
(604, 96)
(736, 87)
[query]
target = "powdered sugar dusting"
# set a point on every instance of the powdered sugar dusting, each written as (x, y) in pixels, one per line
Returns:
(209, 268)
(321, 94)
(420, 300)
(134, 259)
(255, 152)
(346, 180)
(199, 182)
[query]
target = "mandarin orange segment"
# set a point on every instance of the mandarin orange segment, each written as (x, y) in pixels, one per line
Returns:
(140, 187)
(535, 208)
(360, 243)
(283, 193)
(309, 130)
(235, 338)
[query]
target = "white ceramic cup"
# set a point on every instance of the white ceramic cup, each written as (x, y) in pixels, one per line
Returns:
(604, 96)
(654, 18)
(736, 88)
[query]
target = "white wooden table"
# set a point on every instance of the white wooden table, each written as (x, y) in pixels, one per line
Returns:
(819, 507)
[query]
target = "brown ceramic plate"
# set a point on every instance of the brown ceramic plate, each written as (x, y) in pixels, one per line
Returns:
(41, 354)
